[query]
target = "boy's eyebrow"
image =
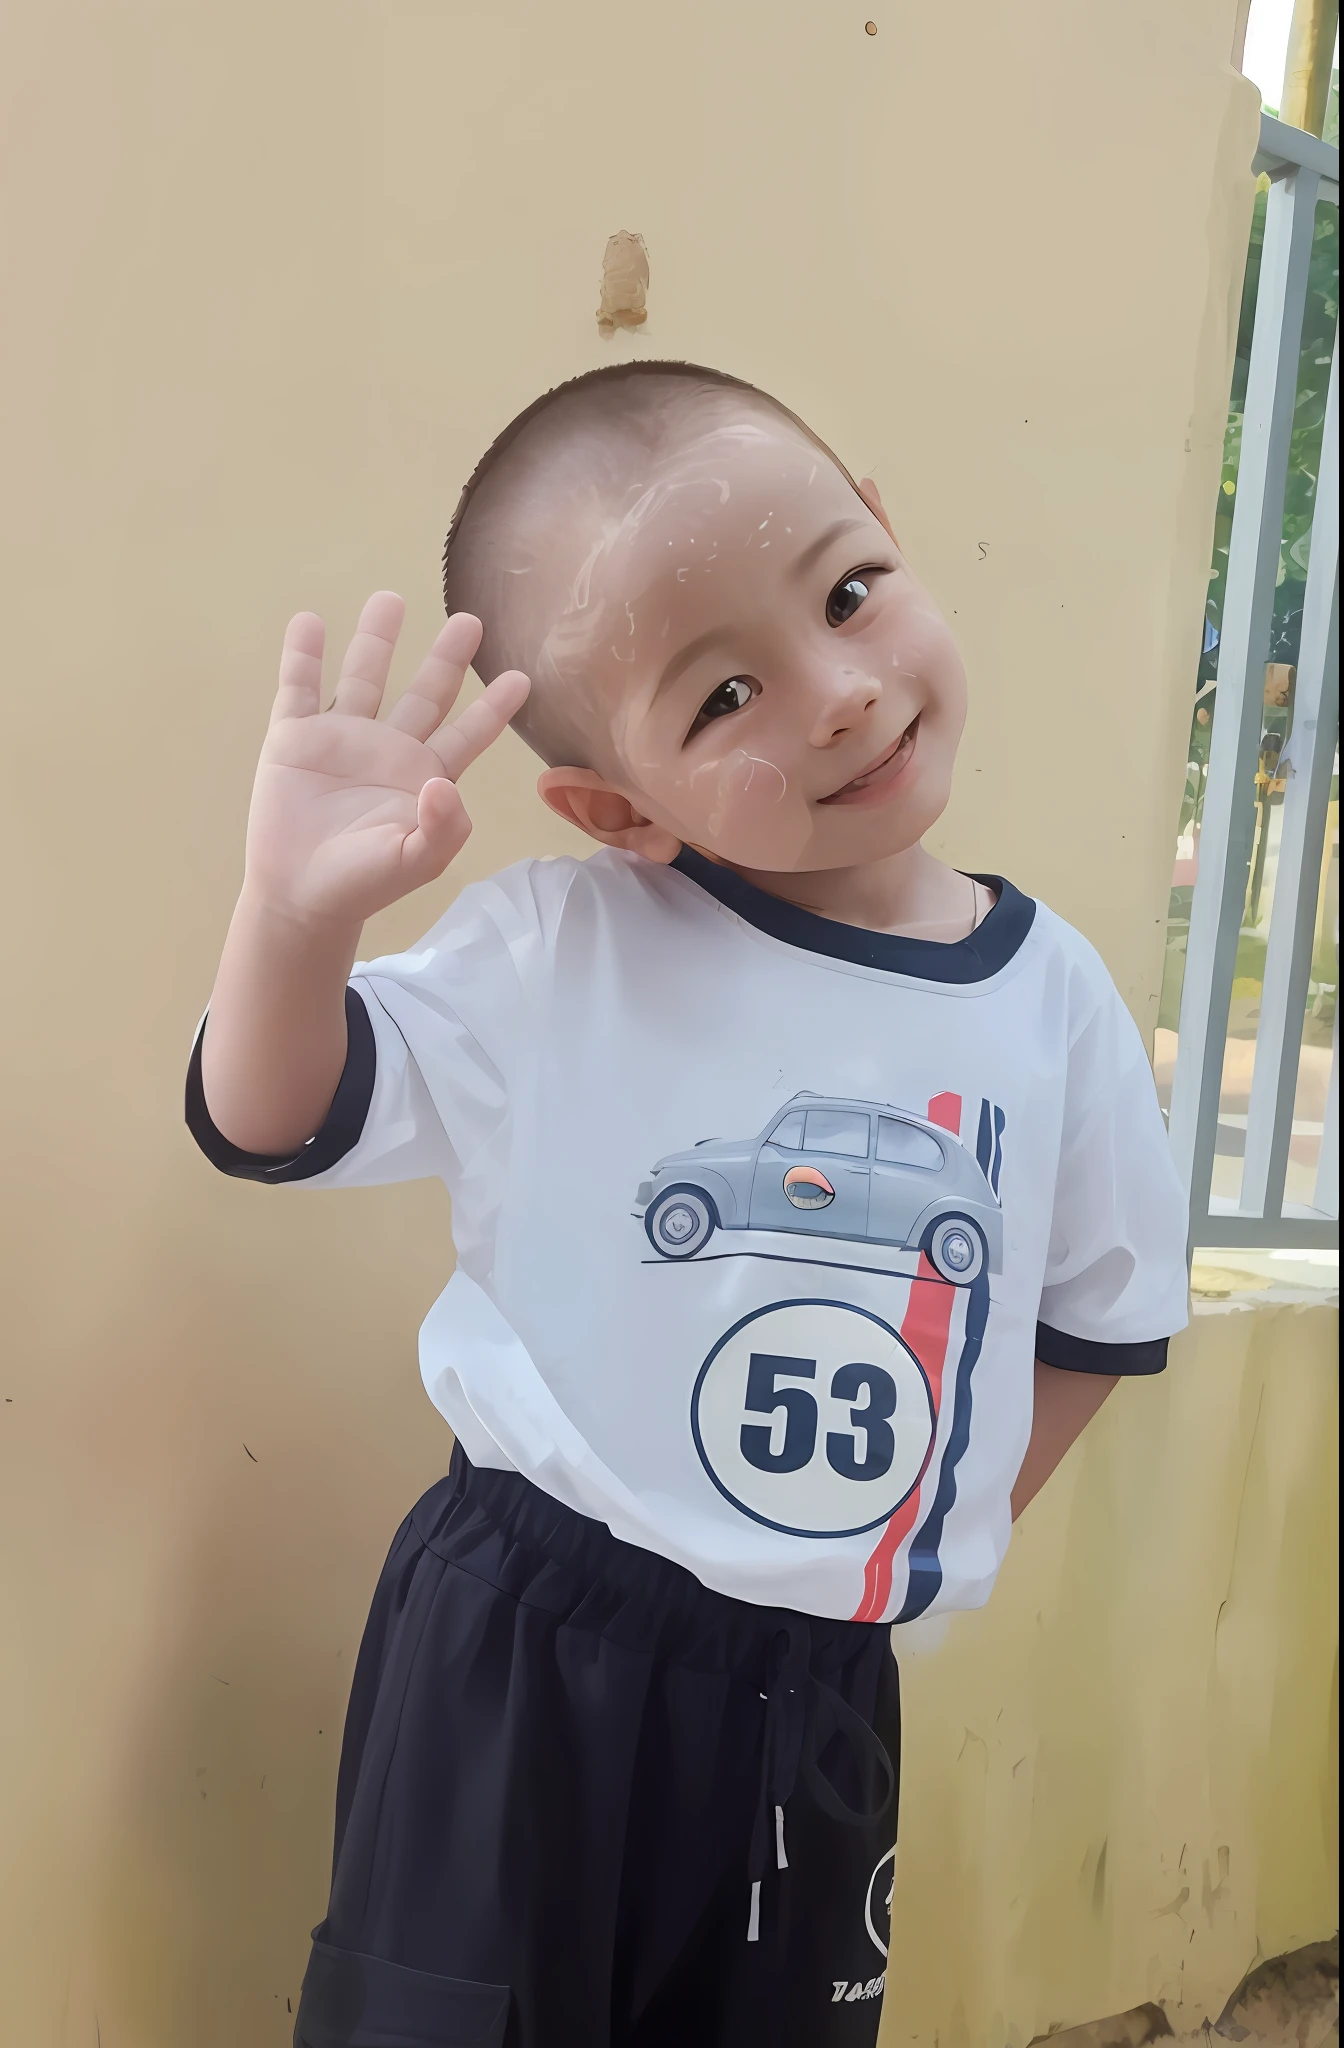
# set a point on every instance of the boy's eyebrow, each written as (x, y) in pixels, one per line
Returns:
(703, 642)
(692, 651)
(819, 546)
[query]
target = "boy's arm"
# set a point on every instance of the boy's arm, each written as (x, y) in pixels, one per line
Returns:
(349, 813)
(1065, 1403)
(275, 1038)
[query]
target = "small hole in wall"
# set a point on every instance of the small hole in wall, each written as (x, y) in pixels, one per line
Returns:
(870, 28)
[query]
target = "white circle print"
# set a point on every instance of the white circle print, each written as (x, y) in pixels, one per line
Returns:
(877, 1906)
(813, 1417)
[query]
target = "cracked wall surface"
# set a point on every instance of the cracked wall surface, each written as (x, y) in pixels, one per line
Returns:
(1289, 2001)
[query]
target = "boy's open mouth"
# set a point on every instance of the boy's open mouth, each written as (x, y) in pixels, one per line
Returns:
(874, 782)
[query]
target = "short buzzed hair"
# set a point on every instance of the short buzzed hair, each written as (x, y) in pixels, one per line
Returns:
(617, 419)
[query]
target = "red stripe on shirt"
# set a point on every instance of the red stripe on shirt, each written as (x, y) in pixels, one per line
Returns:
(945, 1111)
(927, 1325)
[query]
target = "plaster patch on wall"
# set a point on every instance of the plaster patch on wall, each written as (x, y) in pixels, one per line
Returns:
(625, 283)
(1291, 1999)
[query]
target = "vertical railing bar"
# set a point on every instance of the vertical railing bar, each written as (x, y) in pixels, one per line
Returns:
(1292, 927)
(1253, 556)
(1326, 1197)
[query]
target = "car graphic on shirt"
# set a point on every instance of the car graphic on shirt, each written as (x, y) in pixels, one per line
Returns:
(829, 1166)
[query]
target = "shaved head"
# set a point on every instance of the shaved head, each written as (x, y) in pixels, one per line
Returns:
(581, 469)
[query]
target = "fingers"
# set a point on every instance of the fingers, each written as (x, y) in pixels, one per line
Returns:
(426, 701)
(299, 691)
(481, 724)
(441, 830)
(359, 689)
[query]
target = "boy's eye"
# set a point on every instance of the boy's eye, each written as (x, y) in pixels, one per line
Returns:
(729, 697)
(845, 600)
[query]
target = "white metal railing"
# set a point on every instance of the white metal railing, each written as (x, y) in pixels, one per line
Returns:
(1302, 171)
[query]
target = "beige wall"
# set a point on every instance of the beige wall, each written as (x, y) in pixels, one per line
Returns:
(276, 273)
(1120, 1783)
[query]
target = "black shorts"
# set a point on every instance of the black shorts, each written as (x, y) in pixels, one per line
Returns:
(586, 1803)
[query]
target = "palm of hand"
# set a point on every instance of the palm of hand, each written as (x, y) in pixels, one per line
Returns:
(334, 803)
(349, 811)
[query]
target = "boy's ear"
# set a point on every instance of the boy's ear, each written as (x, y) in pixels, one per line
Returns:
(868, 491)
(582, 798)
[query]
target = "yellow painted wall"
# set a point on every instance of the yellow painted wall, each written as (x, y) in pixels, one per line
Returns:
(1120, 1782)
(275, 273)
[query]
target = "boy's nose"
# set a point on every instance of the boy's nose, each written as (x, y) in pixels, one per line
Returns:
(845, 699)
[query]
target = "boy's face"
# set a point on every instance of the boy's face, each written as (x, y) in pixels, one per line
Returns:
(761, 673)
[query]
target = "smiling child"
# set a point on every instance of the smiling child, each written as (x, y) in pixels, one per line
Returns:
(809, 1196)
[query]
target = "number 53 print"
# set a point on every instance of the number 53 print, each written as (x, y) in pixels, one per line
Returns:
(813, 1417)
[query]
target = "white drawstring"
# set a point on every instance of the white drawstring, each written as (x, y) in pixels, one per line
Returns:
(781, 1863)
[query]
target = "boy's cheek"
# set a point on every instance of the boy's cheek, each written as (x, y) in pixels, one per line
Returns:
(742, 806)
(746, 801)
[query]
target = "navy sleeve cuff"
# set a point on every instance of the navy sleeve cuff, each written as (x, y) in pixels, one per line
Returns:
(1083, 1354)
(340, 1132)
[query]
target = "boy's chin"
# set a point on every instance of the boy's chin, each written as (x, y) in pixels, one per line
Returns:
(825, 849)
(863, 838)
(852, 838)
(824, 836)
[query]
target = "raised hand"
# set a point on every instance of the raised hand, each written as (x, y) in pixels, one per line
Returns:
(350, 811)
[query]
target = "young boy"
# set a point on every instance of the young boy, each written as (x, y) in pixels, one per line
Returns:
(778, 1153)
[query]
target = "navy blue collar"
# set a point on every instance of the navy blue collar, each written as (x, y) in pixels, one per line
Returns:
(988, 948)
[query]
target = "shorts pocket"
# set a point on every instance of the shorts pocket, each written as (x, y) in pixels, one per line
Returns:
(355, 2001)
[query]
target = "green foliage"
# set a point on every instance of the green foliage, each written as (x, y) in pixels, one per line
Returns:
(1318, 328)
(1319, 323)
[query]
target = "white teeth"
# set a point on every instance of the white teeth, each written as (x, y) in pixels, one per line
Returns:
(862, 781)
(902, 746)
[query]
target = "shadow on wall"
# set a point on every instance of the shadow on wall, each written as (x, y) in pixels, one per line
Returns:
(1289, 2002)
(262, 1574)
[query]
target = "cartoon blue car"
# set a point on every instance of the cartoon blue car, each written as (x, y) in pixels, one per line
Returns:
(830, 1167)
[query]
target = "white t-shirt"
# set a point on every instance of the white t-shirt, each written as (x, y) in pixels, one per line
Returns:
(761, 1219)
